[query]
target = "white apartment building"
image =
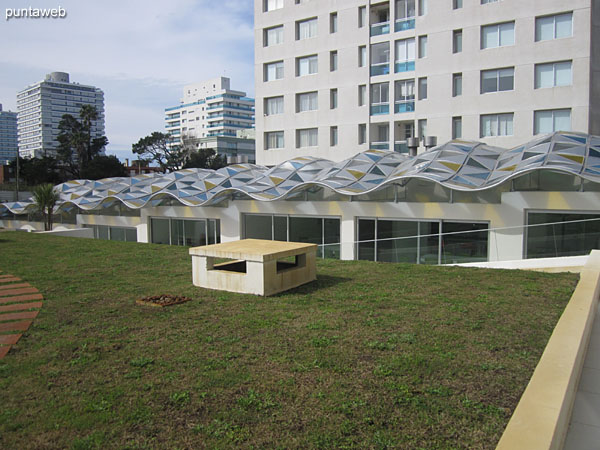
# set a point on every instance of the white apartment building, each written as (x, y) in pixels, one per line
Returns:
(40, 108)
(334, 78)
(214, 114)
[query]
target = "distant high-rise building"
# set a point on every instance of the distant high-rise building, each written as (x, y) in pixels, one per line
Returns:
(41, 106)
(334, 78)
(8, 136)
(214, 116)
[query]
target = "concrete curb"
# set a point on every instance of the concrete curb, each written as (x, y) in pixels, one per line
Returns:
(541, 419)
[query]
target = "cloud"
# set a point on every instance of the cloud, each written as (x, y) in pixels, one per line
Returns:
(139, 52)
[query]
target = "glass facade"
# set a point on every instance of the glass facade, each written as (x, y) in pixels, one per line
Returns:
(185, 232)
(323, 231)
(421, 242)
(554, 234)
(106, 233)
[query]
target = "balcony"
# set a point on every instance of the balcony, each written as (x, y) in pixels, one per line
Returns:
(380, 146)
(380, 69)
(382, 108)
(401, 147)
(404, 106)
(377, 29)
(405, 66)
(404, 24)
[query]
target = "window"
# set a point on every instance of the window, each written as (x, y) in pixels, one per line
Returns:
(422, 7)
(553, 27)
(456, 84)
(273, 105)
(404, 96)
(362, 56)
(552, 120)
(308, 137)
(422, 46)
(498, 35)
(274, 71)
(422, 124)
(497, 80)
(192, 233)
(405, 9)
(423, 88)
(362, 16)
(485, 2)
(333, 60)
(333, 98)
(553, 74)
(380, 98)
(496, 125)
(362, 133)
(273, 36)
(333, 22)
(271, 5)
(380, 59)
(457, 41)
(362, 95)
(308, 101)
(405, 50)
(333, 136)
(306, 65)
(456, 127)
(457, 4)
(273, 139)
(306, 29)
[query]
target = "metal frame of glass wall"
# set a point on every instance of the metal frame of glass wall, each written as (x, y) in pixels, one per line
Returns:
(296, 228)
(568, 233)
(184, 231)
(421, 241)
(110, 233)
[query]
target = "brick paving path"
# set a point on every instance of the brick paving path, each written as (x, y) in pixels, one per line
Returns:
(17, 310)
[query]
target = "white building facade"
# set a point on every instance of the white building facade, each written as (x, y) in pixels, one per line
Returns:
(334, 78)
(40, 108)
(214, 116)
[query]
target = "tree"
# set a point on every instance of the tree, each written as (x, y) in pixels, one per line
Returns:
(45, 198)
(205, 158)
(156, 148)
(36, 171)
(103, 167)
(76, 147)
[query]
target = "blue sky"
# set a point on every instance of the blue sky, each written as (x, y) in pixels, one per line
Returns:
(139, 52)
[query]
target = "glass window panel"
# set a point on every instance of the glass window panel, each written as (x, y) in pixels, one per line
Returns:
(505, 125)
(366, 232)
(564, 25)
(457, 41)
(380, 53)
(117, 234)
(331, 238)
(131, 234)
(159, 231)
(401, 249)
(258, 227)
(544, 76)
(422, 46)
(307, 101)
(489, 81)
(308, 230)
(211, 237)
(280, 228)
(562, 120)
(506, 79)
(195, 232)
(464, 242)
(489, 36)
(274, 139)
(543, 122)
(103, 233)
(563, 73)
(507, 33)
(429, 247)
(274, 105)
(489, 125)
(544, 28)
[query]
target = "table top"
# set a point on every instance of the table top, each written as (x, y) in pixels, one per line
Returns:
(253, 249)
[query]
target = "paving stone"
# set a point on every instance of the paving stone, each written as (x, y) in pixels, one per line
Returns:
(29, 290)
(9, 280)
(15, 326)
(20, 306)
(9, 339)
(19, 316)
(4, 351)
(14, 286)
(21, 298)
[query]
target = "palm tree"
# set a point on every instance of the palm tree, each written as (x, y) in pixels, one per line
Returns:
(45, 197)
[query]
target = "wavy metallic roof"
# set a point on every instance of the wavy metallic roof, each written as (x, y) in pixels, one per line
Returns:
(457, 165)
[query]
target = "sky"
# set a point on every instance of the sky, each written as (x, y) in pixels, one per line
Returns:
(139, 52)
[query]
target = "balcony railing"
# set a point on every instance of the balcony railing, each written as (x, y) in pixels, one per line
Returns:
(382, 108)
(377, 29)
(404, 24)
(380, 145)
(405, 66)
(380, 69)
(401, 147)
(404, 106)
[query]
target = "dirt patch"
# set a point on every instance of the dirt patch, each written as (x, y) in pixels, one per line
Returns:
(161, 301)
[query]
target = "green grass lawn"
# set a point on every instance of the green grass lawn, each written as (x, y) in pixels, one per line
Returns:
(368, 356)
